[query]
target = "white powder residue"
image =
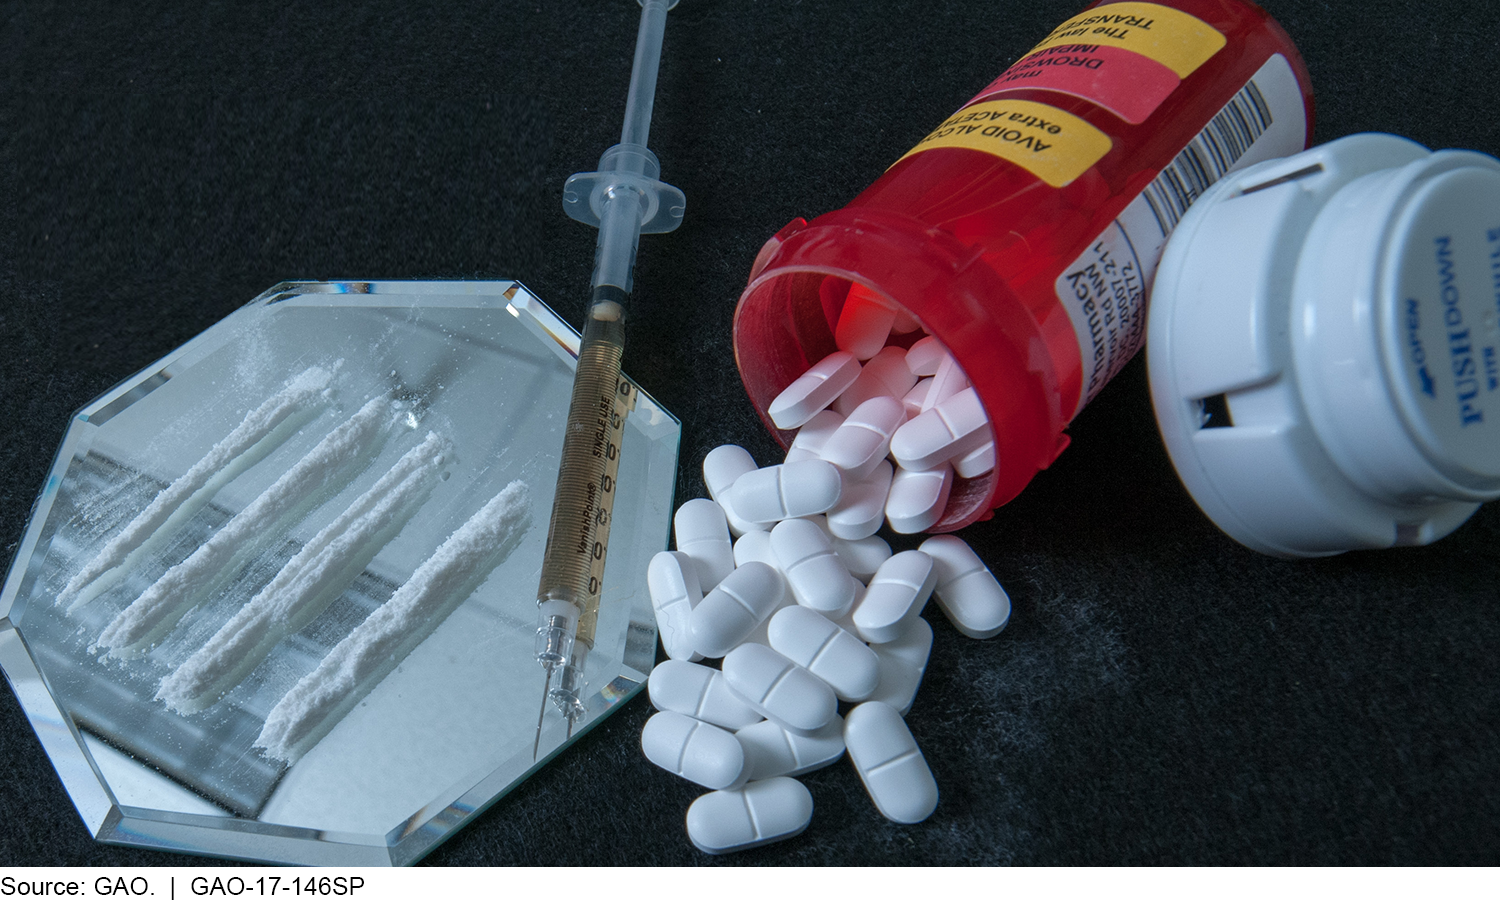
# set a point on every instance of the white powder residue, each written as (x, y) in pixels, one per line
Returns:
(328, 466)
(262, 431)
(310, 581)
(315, 704)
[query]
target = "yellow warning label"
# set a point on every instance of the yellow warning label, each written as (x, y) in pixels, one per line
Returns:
(1053, 145)
(1173, 38)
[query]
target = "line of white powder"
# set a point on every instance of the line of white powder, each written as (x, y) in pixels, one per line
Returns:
(353, 667)
(311, 580)
(261, 432)
(328, 466)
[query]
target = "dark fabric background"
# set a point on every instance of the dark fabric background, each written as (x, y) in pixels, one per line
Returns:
(1162, 695)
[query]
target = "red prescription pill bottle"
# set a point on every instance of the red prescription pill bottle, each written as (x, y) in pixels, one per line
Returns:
(1024, 230)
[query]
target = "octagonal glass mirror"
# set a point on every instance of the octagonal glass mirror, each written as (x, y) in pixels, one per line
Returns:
(277, 599)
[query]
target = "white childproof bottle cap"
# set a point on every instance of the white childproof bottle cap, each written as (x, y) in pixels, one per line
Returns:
(1324, 346)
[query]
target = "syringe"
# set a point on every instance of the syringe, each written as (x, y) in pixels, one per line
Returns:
(624, 200)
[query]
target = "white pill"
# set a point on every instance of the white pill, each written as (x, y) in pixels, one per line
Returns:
(817, 577)
(905, 322)
(759, 813)
(861, 508)
(966, 591)
(721, 467)
(698, 691)
(814, 389)
(924, 356)
(884, 375)
(902, 664)
(914, 398)
(732, 610)
(703, 534)
(862, 557)
(976, 462)
(948, 430)
(754, 546)
(672, 581)
(865, 322)
(947, 381)
(787, 491)
(865, 437)
(917, 499)
(811, 437)
(702, 753)
(771, 750)
(889, 763)
(779, 689)
(826, 650)
(896, 594)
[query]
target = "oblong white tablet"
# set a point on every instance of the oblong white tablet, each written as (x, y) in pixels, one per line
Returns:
(976, 462)
(890, 764)
(884, 374)
(898, 592)
(815, 573)
(862, 557)
(672, 581)
(948, 380)
(865, 437)
(952, 428)
(700, 692)
(755, 546)
(771, 750)
(839, 658)
(703, 534)
(814, 389)
(702, 753)
(864, 323)
(905, 322)
(861, 508)
(779, 689)
(903, 662)
(786, 491)
(925, 356)
(914, 398)
(759, 813)
(966, 591)
(917, 499)
(731, 611)
(721, 467)
(811, 437)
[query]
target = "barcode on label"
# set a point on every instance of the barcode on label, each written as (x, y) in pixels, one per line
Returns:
(1208, 156)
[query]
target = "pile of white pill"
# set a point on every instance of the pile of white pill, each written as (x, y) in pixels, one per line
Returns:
(802, 619)
(872, 399)
(782, 577)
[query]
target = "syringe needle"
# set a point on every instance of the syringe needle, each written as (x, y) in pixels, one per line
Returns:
(546, 689)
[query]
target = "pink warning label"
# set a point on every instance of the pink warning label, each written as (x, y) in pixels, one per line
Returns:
(1127, 84)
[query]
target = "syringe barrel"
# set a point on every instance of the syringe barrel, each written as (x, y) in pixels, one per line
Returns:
(623, 209)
